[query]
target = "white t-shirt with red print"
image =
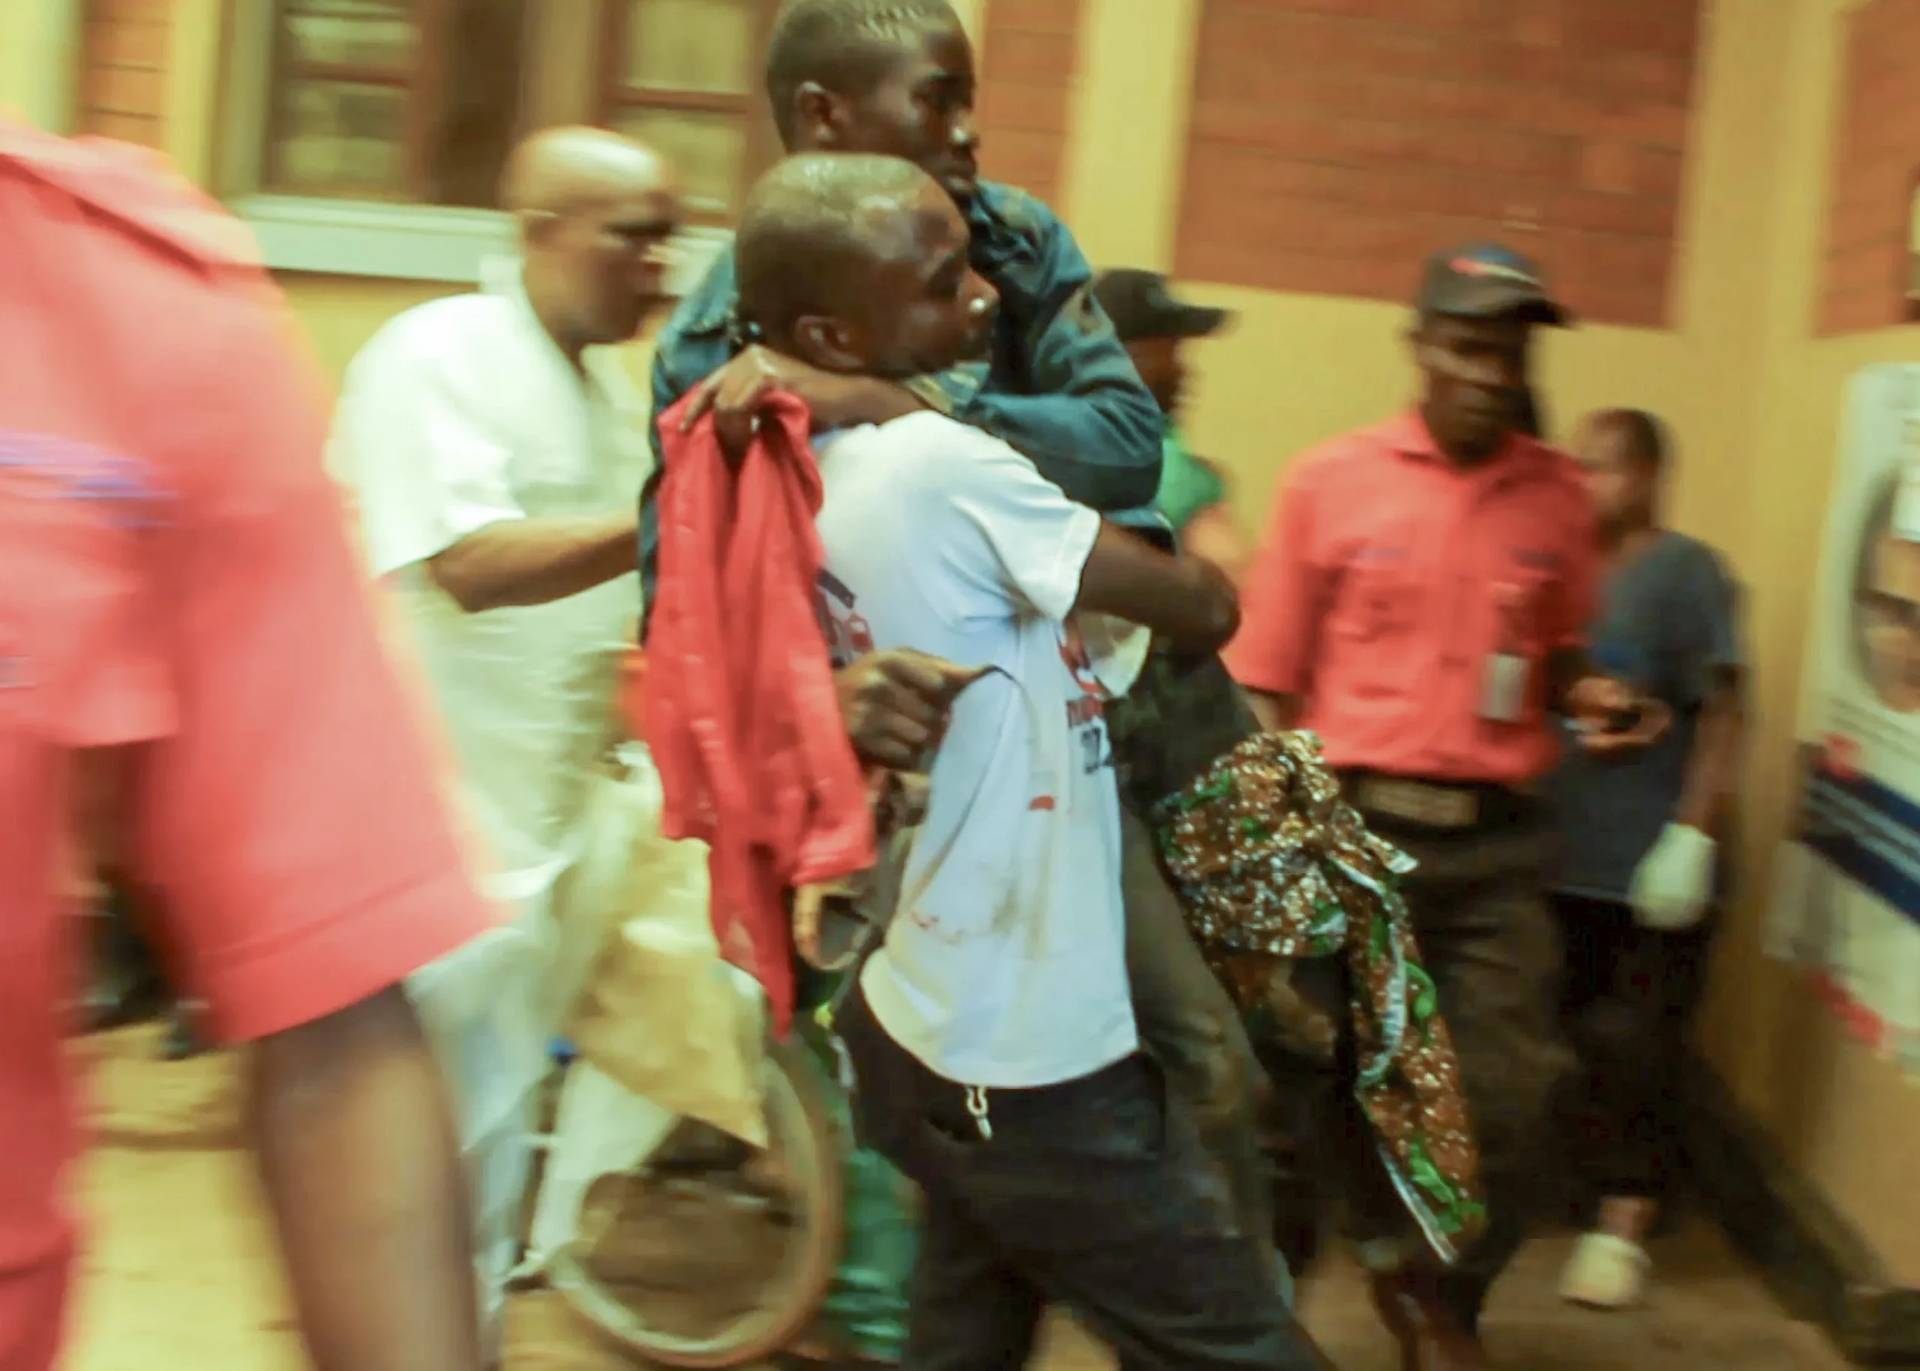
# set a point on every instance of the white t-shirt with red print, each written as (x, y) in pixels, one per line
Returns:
(1005, 964)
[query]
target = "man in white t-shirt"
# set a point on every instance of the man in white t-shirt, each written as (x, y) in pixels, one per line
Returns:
(495, 475)
(993, 1035)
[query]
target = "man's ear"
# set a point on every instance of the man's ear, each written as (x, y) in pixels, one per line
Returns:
(828, 343)
(819, 118)
(537, 224)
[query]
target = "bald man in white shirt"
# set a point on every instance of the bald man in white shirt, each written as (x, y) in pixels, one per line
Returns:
(496, 476)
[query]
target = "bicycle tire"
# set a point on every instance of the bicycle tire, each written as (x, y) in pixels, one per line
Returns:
(799, 1121)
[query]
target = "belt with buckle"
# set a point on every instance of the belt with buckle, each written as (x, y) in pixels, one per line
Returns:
(1444, 806)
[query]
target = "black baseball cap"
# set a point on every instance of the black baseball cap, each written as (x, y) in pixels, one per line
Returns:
(1142, 305)
(1486, 281)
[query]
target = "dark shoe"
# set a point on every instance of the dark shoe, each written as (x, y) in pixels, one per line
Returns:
(182, 1041)
(1431, 1337)
(125, 989)
(114, 1002)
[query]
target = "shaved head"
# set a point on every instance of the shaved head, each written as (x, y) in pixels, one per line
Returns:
(1643, 434)
(892, 77)
(858, 263)
(597, 212)
(1623, 452)
(843, 45)
(563, 170)
(810, 228)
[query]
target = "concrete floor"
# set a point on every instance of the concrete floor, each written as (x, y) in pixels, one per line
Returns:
(180, 1271)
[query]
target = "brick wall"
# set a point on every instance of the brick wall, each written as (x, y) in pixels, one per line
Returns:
(1027, 61)
(1876, 165)
(1335, 142)
(122, 91)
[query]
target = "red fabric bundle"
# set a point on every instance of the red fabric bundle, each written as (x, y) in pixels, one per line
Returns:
(737, 699)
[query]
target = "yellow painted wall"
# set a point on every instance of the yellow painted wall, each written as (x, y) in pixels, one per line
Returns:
(1753, 398)
(1850, 1121)
(1297, 368)
(39, 58)
(341, 312)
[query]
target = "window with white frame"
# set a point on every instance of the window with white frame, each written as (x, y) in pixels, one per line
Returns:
(393, 118)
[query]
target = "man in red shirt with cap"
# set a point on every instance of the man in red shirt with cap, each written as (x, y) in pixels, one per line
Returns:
(1420, 601)
(183, 632)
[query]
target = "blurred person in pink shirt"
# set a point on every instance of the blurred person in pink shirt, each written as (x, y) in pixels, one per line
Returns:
(184, 639)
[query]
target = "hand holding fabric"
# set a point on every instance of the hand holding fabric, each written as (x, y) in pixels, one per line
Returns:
(738, 393)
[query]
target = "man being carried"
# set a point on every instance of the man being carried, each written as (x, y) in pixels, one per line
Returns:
(992, 1034)
(1639, 870)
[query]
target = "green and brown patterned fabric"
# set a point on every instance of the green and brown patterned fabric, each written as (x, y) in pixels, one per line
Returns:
(1273, 866)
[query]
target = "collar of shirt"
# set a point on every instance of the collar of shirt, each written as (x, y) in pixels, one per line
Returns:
(138, 188)
(1520, 459)
(602, 372)
(505, 276)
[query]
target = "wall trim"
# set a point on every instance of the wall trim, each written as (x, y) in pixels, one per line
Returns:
(340, 237)
(1812, 1258)
(417, 242)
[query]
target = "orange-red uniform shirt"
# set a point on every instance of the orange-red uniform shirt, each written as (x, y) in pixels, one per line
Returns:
(175, 572)
(1387, 579)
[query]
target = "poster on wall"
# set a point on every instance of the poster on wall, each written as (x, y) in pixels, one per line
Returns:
(1847, 888)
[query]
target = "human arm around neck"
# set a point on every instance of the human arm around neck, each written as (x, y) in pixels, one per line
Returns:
(1071, 401)
(738, 391)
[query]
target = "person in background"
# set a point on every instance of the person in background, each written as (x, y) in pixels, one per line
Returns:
(896, 77)
(1420, 601)
(1154, 326)
(495, 474)
(189, 658)
(991, 1033)
(1639, 874)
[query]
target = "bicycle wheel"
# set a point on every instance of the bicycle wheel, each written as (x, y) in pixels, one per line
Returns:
(711, 1252)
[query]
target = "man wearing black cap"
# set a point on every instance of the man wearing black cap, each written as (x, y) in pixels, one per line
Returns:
(1153, 325)
(1420, 600)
